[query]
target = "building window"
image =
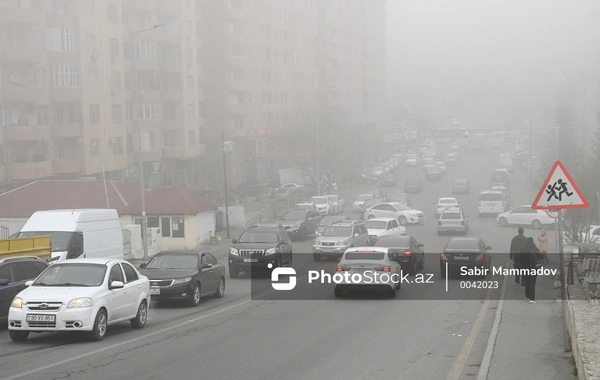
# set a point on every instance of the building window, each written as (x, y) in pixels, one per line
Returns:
(113, 15)
(60, 39)
(117, 146)
(149, 111)
(116, 113)
(129, 142)
(171, 226)
(91, 43)
(95, 147)
(147, 141)
(190, 82)
(191, 110)
(192, 138)
(89, 8)
(94, 113)
(93, 74)
(145, 49)
(115, 80)
(113, 44)
(65, 76)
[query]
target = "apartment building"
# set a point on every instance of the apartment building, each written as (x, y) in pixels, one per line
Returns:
(67, 90)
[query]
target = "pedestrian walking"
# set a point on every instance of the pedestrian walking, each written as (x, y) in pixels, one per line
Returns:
(543, 245)
(531, 259)
(515, 249)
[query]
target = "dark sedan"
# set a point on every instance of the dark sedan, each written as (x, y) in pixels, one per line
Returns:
(300, 223)
(413, 185)
(411, 255)
(184, 276)
(466, 257)
(14, 273)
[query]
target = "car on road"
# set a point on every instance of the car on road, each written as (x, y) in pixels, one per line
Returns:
(306, 207)
(428, 165)
(453, 220)
(412, 160)
(81, 295)
(413, 185)
(359, 201)
(376, 193)
(338, 237)
(283, 193)
(410, 253)
(442, 166)
(399, 211)
(299, 224)
(465, 252)
(445, 204)
(14, 273)
(184, 276)
(524, 215)
(451, 159)
(378, 171)
(433, 174)
(378, 227)
(323, 204)
(293, 188)
(461, 186)
(491, 202)
(327, 220)
(378, 269)
(337, 203)
(455, 147)
(257, 247)
(370, 203)
(388, 180)
(398, 196)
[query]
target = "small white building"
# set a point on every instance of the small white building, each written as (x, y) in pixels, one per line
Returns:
(185, 219)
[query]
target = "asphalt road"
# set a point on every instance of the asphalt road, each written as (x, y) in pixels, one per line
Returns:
(415, 336)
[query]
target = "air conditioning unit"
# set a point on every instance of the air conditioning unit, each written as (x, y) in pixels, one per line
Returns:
(113, 92)
(95, 57)
(113, 58)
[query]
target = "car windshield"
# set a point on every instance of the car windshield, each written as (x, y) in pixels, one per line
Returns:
(412, 156)
(490, 197)
(397, 198)
(363, 197)
(378, 168)
(60, 239)
(413, 181)
(389, 176)
(283, 190)
(451, 216)
(294, 215)
(463, 244)
(258, 237)
(402, 207)
(174, 261)
(304, 207)
(72, 275)
(393, 242)
(460, 182)
(318, 200)
(364, 256)
(329, 219)
(376, 225)
(448, 200)
(338, 231)
(372, 202)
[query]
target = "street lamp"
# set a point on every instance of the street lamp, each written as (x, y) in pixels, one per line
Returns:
(139, 133)
(227, 147)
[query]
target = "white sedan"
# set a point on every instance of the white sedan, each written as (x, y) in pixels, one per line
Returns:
(525, 216)
(444, 204)
(378, 227)
(399, 211)
(323, 204)
(80, 295)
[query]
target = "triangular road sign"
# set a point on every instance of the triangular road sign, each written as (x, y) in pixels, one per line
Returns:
(559, 191)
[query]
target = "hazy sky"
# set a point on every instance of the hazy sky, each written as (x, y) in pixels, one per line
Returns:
(448, 46)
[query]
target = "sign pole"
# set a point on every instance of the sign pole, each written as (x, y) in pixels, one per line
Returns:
(563, 289)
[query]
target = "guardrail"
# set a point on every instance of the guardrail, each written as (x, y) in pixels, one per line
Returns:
(40, 246)
(274, 211)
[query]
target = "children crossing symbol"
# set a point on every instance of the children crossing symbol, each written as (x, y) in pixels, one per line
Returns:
(559, 191)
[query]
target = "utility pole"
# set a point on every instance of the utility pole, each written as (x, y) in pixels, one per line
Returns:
(360, 142)
(318, 152)
(223, 148)
(529, 171)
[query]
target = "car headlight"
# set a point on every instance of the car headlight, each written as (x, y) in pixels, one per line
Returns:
(234, 251)
(80, 302)
(182, 280)
(17, 303)
(317, 242)
(297, 225)
(341, 242)
(271, 251)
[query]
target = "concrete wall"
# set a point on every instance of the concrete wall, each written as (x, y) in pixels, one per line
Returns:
(14, 224)
(205, 223)
(136, 249)
(583, 318)
(237, 216)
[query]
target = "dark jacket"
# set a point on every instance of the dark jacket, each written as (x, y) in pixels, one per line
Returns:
(515, 247)
(527, 255)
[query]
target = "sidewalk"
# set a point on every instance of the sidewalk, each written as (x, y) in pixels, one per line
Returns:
(529, 344)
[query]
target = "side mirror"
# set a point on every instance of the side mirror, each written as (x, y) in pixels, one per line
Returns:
(489, 247)
(356, 234)
(284, 242)
(28, 283)
(421, 245)
(3, 281)
(143, 265)
(116, 285)
(234, 241)
(310, 219)
(208, 265)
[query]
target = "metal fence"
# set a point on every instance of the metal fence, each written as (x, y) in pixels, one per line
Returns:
(274, 211)
(4, 232)
(126, 242)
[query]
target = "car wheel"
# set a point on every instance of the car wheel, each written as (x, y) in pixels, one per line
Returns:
(537, 225)
(142, 315)
(338, 293)
(402, 220)
(196, 295)
(18, 336)
(303, 235)
(100, 324)
(370, 217)
(221, 290)
(316, 257)
(422, 263)
(503, 222)
(234, 273)
(290, 260)
(413, 266)
(392, 293)
(442, 273)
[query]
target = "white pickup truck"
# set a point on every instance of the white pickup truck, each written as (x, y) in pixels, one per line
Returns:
(337, 203)
(378, 227)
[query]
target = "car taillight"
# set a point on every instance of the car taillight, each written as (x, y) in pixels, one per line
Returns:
(480, 257)
(443, 256)
(384, 269)
(341, 268)
(407, 253)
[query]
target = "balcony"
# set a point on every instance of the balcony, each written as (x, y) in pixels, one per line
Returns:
(66, 166)
(172, 125)
(170, 8)
(14, 133)
(151, 155)
(28, 170)
(149, 95)
(65, 130)
(195, 151)
(22, 54)
(17, 15)
(22, 94)
(171, 95)
(173, 152)
(146, 64)
(65, 94)
(169, 38)
(170, 66)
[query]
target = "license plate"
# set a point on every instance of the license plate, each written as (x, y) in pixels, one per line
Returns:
(154, 292)
(359, 270)
(250, 260)
(40, 318)
(327, 249)
(461, 258)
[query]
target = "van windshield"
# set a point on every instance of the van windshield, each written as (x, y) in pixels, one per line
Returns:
(491, 197)
(60, 239)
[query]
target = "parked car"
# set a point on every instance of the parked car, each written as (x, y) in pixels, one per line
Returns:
(378, 227)
(461, 186)
(525, 216)
(399, 211)
(87, 294)
(323, 204)
(337, 203)
(396, 196)
(413, 185)
(327, 220)
(358, 201)
(338, 237)
(283, 194)
(14, 273)
(451, 159)
(306, 207)
(184, 276)
(410, 253)
(442, 166)
(464, 252)
(265, 193)
(300, 224)
(388, 180)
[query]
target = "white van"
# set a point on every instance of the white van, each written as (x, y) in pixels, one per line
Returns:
(78, 233)
(492, 202)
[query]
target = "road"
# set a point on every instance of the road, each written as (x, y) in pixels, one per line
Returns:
(415, 336)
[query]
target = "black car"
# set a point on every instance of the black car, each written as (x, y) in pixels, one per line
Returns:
(398, 197)
(259, 246)
(300, 223)
(388, 180)
(433, 174)
(14, 273)
(463, 254)
(411, 255)
(413, 185)
(184, 276)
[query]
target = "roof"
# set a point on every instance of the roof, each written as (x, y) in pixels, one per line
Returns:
(491, 192)
(41, 195)
(368, 249)
(171, 201)
(92, 260)
(380, 220)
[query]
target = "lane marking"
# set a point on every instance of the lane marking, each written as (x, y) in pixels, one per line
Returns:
(468, 345)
